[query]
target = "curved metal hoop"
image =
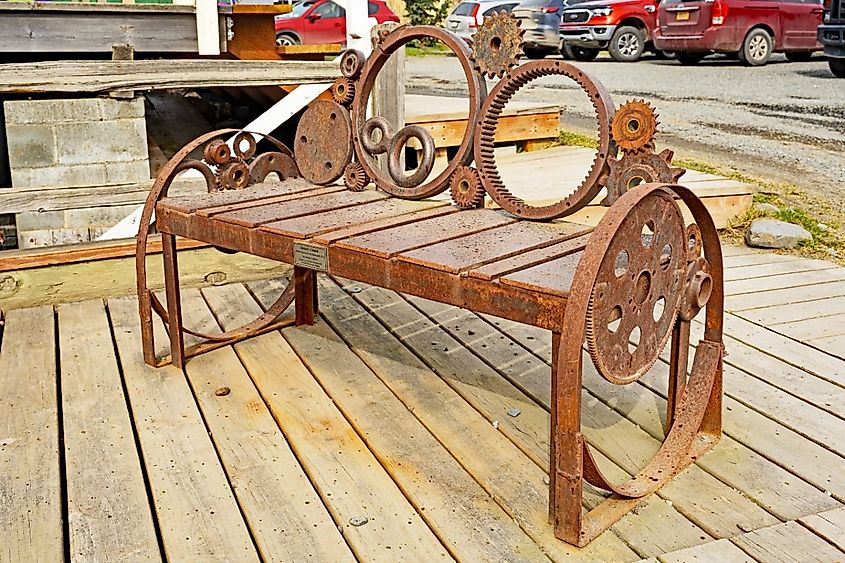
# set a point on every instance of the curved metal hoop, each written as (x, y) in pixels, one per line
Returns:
(147, 301)
(477, 92)
(486, 131)
(690, 411)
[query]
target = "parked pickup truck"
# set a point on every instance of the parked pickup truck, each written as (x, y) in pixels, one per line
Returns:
(623, 27)
(832, 35)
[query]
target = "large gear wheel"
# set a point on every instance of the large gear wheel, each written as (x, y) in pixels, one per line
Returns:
(637, 292)
(634, 125)
(343, 90)
(354, 177)
(465, 188)
(638, 168)
(497, 45)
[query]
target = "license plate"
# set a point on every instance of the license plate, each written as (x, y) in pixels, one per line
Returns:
(681, 16)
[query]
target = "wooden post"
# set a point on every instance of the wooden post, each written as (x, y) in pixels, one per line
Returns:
(388, 96)
(122, 53)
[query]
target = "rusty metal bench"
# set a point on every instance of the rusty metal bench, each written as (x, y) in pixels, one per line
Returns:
(626, 288)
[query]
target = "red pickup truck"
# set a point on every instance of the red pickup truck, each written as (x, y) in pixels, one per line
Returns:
(623, 27)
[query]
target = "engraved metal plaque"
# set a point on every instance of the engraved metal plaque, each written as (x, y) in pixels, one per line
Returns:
(311, 256)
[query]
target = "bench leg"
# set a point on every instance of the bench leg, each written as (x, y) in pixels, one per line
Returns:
(305, 295)
(566, 473)
(174, 304)
(678, 366)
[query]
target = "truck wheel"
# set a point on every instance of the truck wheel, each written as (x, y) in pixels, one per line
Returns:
(837, 67)
(756, 48)
(536, 53)
(688, 59)
(581, 54)
(799, 56)
(627, 44)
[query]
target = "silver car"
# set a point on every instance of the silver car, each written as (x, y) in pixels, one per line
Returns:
(467, 16)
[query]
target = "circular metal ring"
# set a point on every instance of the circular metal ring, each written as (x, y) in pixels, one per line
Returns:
(477, 91)
(217, 152)
(486, 131)
(352, 63)
(426, 162)
(371, 126)
(238, 142)
(235, 176)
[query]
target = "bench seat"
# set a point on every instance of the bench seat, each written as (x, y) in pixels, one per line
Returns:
(480, 259)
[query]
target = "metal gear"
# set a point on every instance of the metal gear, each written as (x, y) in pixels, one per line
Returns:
(465, 188)
(497, 45)
(486, 131)
(637, 291)
(343, 90)
(635, 168)
(634, 125)
(354, 177)
(352, 63)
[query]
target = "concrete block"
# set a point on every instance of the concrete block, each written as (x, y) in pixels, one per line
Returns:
(123, 172)
(96, 216)
(52, 111)
(40, 220)
(51, 237)
(101, 141)
(121, 109)
(59, 176)
(31, 146)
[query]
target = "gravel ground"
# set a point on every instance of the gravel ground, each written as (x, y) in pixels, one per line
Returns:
(783, 122)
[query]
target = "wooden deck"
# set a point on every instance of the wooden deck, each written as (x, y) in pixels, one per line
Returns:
(400, 429)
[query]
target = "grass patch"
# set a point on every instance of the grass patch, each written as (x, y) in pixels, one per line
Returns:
(572, 139)
(792, 203)
(438, 49)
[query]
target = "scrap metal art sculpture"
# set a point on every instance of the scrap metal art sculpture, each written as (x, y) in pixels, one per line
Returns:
(640, 280)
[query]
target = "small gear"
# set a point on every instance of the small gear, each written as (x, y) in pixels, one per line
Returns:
(497, 45)
(638, 168)
(343, 91)
(634, 125)
(352, 63)
(465, 187)
(354, 177)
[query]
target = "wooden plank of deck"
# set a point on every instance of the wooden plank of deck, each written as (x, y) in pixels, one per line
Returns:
(197, 514)
(793, 279)
(518, 484)
(790, 312)
(783, 296)
(731, 462)
(463, 515)
(830, 525)
(817, 391)
(788, 542)
(30, 492)
(109, 516)
(338, 462)
(721, 551)
(285, 514)
(619, 439)
(750, 272)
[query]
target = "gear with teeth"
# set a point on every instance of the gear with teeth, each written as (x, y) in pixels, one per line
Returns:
(638, 168)
(343, 91)
(497, 45)
(634, 125)
(465, 188)
(354, 177)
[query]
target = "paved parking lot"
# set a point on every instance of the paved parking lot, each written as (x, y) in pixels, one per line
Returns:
(784, 121)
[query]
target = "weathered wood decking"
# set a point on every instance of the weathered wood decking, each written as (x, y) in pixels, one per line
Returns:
(383, 433)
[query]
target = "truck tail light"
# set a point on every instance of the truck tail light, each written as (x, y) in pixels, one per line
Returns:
(720, 12)
(476, 19)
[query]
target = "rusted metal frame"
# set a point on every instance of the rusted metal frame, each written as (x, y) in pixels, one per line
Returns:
(698, 407)
(305, 284)
(218, 153)
(678, 366)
